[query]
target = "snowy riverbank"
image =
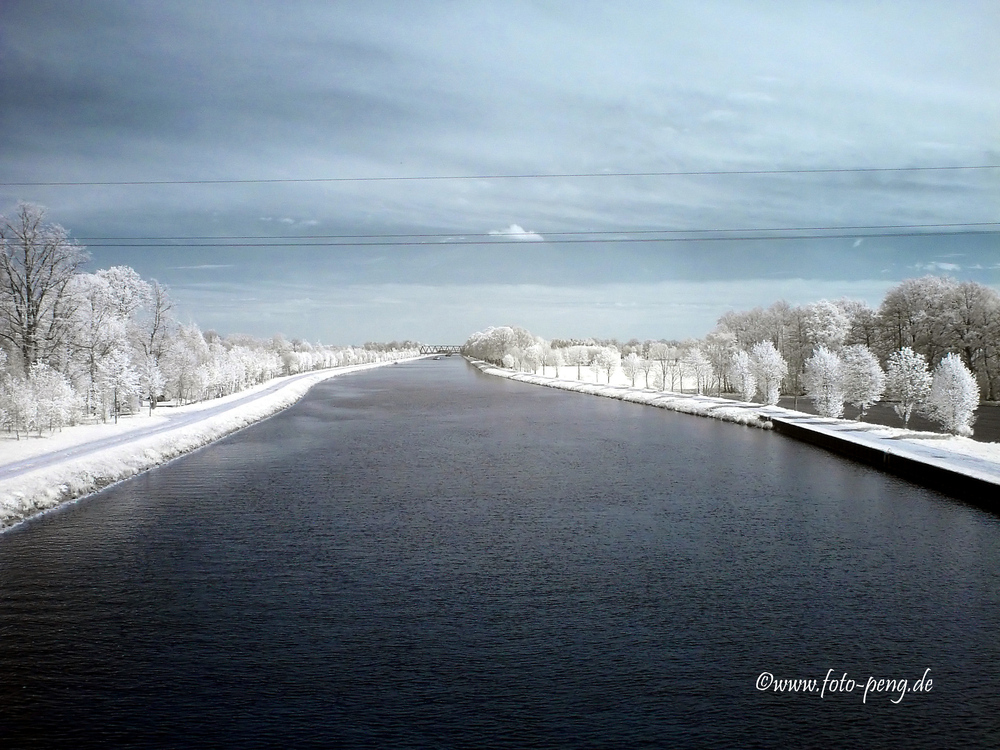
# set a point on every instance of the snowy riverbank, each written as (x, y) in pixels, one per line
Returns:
(728, 410)
(871, 443)
(38, 474)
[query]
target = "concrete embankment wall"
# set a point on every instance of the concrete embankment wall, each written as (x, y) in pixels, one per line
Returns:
(977, 491)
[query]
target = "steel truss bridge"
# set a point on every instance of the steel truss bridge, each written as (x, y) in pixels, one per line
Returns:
(440, 349)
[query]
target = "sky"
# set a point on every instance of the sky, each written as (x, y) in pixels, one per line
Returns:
(357, 171)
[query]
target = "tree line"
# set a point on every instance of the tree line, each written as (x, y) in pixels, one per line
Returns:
(932, 345)
(77, 345)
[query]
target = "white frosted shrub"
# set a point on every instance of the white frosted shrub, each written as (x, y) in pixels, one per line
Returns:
(741, 375)
(907, 381)
(770, 369)
(823, 382)
(954, 396)
(864, 380)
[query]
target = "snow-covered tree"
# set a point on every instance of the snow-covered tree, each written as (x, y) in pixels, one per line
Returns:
(186, 353)
(553, 358)
(974, 331)
(741, 375)
(647, 367)
(533, 357)
(864, 322)
(675, 371)
(127, 291)
(760, 324)
(492, 344)
(37, 264)
(118, 381)
(665, 355)
(151, 380)
(770, 369)
(822, 379)
(826, 325)
(915, 315)
(579, 356)
(595, 367)
(719, 346)
(907, 381)
(863, 378)
(97, 329)
(631, 365)
(954, 396)
(607, 359)
(156, 324)
(696, 363)
(55, 400)
(18, 404)
(931, 315)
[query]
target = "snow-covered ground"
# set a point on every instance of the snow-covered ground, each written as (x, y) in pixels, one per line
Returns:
(38, 473)
(959, 454)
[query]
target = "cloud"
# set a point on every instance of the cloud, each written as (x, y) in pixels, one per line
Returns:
(204, 267)
(857, 242)
(936, 266)
(516, 232)
(289, 220)
(752, 97)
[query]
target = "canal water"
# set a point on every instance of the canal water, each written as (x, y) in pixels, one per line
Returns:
(424, 556)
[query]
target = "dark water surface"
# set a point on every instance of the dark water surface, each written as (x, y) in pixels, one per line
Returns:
(424, 556)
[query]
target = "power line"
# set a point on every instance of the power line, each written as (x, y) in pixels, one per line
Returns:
(496, 236)
(578, 240)
(568, 175)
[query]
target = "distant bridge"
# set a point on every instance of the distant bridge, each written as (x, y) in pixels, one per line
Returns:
(440, 349)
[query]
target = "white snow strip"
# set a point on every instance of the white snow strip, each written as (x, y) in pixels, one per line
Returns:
(958, 454)
(41, 473)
